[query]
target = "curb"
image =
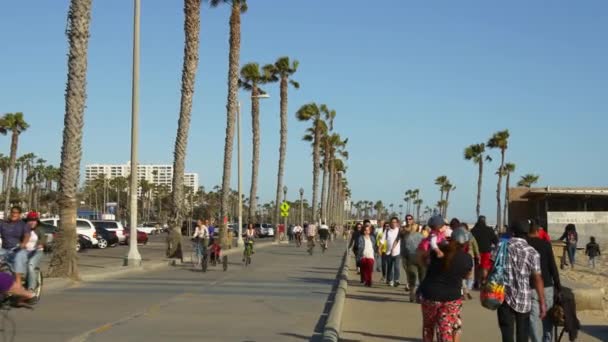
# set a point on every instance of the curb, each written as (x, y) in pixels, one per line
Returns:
(331, 332)
(55, 284)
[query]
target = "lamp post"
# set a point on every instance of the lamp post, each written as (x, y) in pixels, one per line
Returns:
(133, 257)
(301, 207)
(285, 218)
(239, 240)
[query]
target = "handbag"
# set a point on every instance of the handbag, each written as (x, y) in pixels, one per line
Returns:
(493, 292)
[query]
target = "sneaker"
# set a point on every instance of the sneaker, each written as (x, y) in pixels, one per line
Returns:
(396, 284)
(469, 296)
(358, 270)
(412, 297)
(407, 288)
(382, 279)
(391, 283)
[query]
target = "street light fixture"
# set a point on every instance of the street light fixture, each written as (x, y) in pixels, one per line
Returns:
(239, 240)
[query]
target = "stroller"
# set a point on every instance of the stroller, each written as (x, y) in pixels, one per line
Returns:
(215, 255)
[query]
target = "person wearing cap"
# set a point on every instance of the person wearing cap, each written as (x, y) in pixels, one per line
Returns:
(440, 291)
(522, 268)
(34, 247)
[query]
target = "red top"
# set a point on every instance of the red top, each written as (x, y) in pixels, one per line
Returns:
(542, 234)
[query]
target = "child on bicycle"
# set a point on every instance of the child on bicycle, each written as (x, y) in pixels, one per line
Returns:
(215, 250)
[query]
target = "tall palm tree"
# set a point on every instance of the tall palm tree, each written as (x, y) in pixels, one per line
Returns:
(237, 7)
(251, 78)
(119, 184)
(192, 29)
(418, 203)
(528, 180)
(447, 188)
(63, 262)
(378, 207)
(15, 124)
(441, 182)
(476, 153)
(327, 142)
(333, 147)
(408, 199)
(508, 170)
(4, 163)
(500, 141)
(282, 70)
(312, 112)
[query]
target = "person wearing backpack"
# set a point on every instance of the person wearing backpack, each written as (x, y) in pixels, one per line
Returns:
(521, 269)
(570, 236)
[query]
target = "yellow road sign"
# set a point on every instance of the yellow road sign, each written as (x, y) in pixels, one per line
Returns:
(285, 206)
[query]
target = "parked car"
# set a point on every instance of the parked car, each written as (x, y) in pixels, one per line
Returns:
(113, 226)
(264, 229)
(142, 237)
(106, 238)
(50, 232)
(83, 242)
(149, 228)
(83, 226)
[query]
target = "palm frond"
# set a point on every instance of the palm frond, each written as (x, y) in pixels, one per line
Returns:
(294, 84)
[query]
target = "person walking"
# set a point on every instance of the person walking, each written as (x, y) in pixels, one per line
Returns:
(440, 290)
(381, 250)
(473, 249)
(414, 271)
(592, 250)
(542, 330)
(366, 249)
(570, 236)
(354, 242)
(486, 239)
(522, 268)
(391, 238)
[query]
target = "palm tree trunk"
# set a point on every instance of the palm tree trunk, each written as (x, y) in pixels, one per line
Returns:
(255, 160)
(479, 183)
(192, 28)
(316, 160)
(498, 192)
(324, 189)
(231, 107)
(282, 149)
(64, 260)
(117, 204)
(11, 171)
(17, 173)
(506, 205)
(447, 203)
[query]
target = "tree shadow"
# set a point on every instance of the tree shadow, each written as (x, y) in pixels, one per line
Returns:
(384, 337)
(375, 299)
(598, 331)
(298, 336)
(325, 281)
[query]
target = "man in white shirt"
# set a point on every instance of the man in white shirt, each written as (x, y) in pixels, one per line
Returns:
(393, 243)
(297, 234)
(311, 233)
(324, 233)
(200, 237)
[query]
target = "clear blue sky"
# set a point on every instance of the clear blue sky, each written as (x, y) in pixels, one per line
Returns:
(413, 83)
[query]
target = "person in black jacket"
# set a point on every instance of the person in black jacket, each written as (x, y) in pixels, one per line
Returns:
(354, 242)
(592, 250)
(486, 240)
(541, 330)
(570, 236)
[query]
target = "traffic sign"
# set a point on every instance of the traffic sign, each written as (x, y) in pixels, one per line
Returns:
(285, 209)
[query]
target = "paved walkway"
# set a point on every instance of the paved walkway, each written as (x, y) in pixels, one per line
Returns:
(383, 313)
(282, 296)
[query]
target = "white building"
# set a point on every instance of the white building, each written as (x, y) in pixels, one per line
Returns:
(157, 174)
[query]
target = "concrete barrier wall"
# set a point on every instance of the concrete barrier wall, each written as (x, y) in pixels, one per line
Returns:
(588, 223)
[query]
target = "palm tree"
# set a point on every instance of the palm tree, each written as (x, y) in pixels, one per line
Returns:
(508, 170)
(332, 145)
(251, 78)
(378, 207)
(418, 203)
(15, 124)
(63, 262)
(408, 199)
(281, 71)
(192, 29)
(237, 7)
(476, 153)
(447, 188)
(4, 163)
(528, 180)
(500, 141)
(312, 112)
(119, 184)
(441, 182)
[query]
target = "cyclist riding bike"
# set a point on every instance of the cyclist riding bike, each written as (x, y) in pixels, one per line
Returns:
(35, 248)
(324, 234)
(15, 235)
(311, 233)
(297, 232)
(200, 239)
(250, 235)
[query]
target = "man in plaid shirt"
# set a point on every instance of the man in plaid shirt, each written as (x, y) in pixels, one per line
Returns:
(523, 265)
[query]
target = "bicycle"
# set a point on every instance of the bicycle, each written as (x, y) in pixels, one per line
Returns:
(298, 239)
(323, 245)
(14, 301)
(196, 255)
(248, 252)
(311, 245)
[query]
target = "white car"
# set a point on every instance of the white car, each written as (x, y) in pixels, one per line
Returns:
(148, 229)
(83, 227)
(112, 226)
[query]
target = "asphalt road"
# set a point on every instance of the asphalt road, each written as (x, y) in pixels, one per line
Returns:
(283, 296)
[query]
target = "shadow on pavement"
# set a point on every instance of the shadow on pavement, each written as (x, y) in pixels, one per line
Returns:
(298, 336)
(598, 331)
(384, 337)
(312, 280)
(375, 299)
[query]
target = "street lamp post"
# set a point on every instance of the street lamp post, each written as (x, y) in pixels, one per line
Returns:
(301, 207)
(285, 218)
(133, 257)
(239, 241)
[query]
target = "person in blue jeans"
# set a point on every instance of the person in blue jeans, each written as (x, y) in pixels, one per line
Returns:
(35, 248)
(15, 235)
(393, 253)
(570, 236)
